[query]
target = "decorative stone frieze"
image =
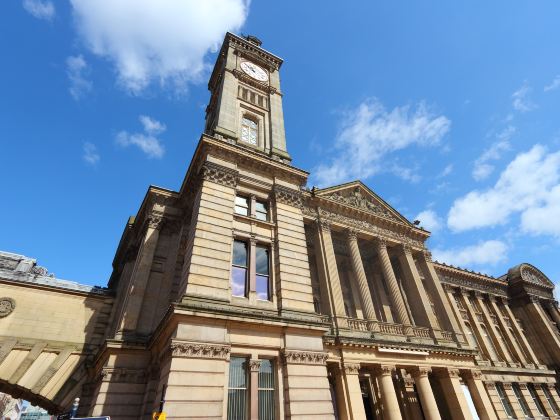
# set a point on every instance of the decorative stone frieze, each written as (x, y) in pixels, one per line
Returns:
(305, 357)
(288, 196)
(219, 174)
(134, 376)
(532, 275)
(200, 350)
(351, 368)
(355, 198)
(7, 306)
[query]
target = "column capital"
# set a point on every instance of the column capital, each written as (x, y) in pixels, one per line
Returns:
(477, 294)
(380, 243)
(474, 374)
(352, 235)
(427, 255)
(492, 298)
(323, 225)
(156, 220)
(384, 370)
(447, 373)
(406, 249)
(253, 239)
(351, 368)
(448, 287)
(420, 371)
(506, 385)
(255, 365)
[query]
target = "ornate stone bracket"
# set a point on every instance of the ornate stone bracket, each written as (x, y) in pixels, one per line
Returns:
(219, 174)
(200, 350)
(305, 357)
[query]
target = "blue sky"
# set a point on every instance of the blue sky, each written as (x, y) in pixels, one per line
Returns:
(448, 111)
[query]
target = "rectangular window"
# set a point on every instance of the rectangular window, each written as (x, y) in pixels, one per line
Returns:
(239, 269)
(521, 400)
(242, 205)
(549, 398)
(237, 389)
(266, 390)
(261, 210)
(505, 402)
(536, 399)
(262, 273)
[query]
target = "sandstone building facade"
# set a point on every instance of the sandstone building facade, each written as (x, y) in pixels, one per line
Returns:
(245, 295)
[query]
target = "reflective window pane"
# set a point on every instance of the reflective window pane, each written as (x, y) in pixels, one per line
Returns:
(240, 253)
(261, 210)
(262, 260)
(238, 281)
(242, 205)
(262, 288)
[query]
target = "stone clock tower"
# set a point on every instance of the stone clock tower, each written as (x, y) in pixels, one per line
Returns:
(246, 101)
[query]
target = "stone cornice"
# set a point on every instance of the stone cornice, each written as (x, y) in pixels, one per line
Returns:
(462, 278)
(288, 196)
(250, 50)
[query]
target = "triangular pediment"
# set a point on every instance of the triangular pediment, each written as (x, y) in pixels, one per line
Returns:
(356, 194)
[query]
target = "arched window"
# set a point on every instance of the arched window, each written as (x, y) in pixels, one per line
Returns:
(249, 130)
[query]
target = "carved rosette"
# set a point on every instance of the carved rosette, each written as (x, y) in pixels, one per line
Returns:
(351, 368)
(219, 174)
(305, 357)
(288, 196)
(133, 376)
(200, 350)
(255, 365)
(7, 306)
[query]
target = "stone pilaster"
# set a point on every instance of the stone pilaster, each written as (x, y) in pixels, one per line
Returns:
(508, 334)
(360, 274)
(425, 393)
(254, 366)
(328, 272)
(454, 396)
(353, 391)
(396, 297)
(521, 338)
(475, 325)
(546, 331)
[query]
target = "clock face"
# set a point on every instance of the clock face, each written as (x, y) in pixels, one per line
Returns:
(254, 71)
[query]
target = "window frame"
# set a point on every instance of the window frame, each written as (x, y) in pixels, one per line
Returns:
(255, 121)
(247, 266)
(267, 275)
(506, 403)
(536, 399)
(521, 400)
(246, 389)
(236, 205)
(272, 414)
(550, 399)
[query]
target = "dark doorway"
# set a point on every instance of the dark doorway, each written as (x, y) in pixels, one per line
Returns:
(367, 399)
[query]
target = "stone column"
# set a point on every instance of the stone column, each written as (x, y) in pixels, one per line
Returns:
(491, 327)
(391, 410)
(328, 272)
(508, 334)
(141, 273)
(480, 396)
(255, 367)
(482, 340)
(456, 401)
(340, 393)
(553, 311)
(389, 274)
(546, 331)
(353, 391)
(443, 307)
(360, 274)
(425, 393)
(521, 338)
(418, 298)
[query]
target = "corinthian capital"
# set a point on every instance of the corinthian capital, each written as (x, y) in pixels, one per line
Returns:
(156, 220)
(352, 235)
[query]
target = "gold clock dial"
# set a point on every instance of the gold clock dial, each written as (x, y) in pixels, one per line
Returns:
(254, 71)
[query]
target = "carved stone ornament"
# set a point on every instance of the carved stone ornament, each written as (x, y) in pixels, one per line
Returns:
(134, 376)
(355, 198)
(156, 220)
(219, 174)
(475, 374)
(384, 370)
(370, 228)
(420, 371)
(531, 275)
(351, 368)
(206, 351)
(305, 357)
(255, 365)
(7, 306)
(288, 196)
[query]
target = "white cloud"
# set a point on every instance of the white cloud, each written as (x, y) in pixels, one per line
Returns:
(369, 133)
(90, 153)
(429, 220)
(484, 253)
(40, 9)
(148, 141)
(446, 171)
(521, 102)
(528, 186)
(75, 68)
(157, 41)
(555, 84)
(482, 168)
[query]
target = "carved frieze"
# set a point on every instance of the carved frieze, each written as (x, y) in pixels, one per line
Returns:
(134, 376)
(288, 196)
(473, 284)
(7, 306)
(200, 350)
(531, 275)
(305, 357)
(219, 174)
